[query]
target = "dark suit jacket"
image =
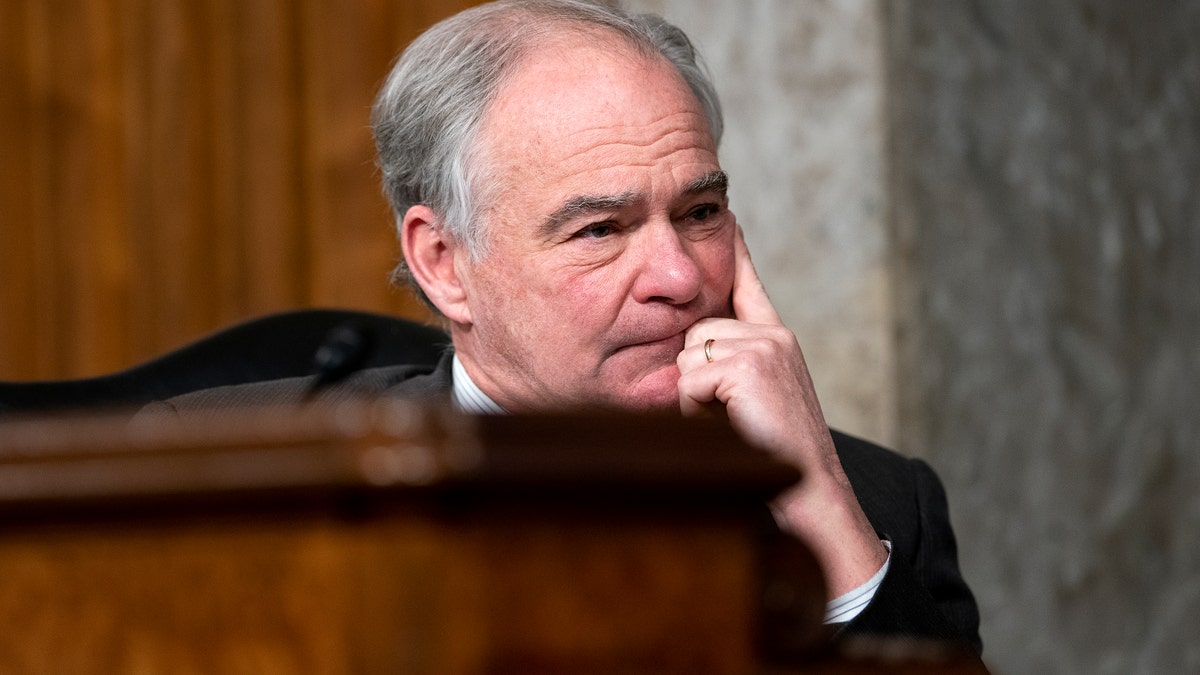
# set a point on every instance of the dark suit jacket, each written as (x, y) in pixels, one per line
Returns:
(923, 595)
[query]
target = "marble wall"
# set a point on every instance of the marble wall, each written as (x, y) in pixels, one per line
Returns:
(1046, 158)
(983, 221)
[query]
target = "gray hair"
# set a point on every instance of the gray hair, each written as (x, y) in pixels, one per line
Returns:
(427, 115)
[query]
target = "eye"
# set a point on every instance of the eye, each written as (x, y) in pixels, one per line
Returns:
(704, 212)
(596, 231)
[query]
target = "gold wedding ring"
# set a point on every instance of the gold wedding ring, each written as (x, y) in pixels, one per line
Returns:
(708, 349)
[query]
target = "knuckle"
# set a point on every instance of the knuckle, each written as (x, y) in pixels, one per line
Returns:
(682, 359)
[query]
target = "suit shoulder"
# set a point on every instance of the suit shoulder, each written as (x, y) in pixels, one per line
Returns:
(867, 462)
(293, 390)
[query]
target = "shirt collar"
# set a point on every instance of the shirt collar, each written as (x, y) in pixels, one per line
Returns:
(470, 398)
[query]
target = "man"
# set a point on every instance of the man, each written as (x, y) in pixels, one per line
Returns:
(553, 169)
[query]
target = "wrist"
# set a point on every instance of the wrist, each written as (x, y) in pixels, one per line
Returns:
(834, 527)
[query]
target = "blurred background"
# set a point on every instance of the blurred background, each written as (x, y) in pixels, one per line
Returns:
(981, 219)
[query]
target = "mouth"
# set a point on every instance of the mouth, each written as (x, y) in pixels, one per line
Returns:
(662, 335)
(672, 341)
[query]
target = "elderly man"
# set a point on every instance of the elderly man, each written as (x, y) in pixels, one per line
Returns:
(554, 173)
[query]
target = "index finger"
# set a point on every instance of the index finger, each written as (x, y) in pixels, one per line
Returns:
(750, 301)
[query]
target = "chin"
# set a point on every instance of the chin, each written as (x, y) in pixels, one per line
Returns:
(655, 393)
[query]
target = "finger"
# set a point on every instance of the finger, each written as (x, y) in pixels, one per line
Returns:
(711, 327)
(698, 394)
(750, 301)
(697, 356)
(707, 410)
(705, 353)
(705, 390)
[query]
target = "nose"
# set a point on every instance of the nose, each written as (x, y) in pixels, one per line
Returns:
(667, 267)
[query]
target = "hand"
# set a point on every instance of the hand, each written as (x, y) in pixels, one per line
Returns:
(759, 374)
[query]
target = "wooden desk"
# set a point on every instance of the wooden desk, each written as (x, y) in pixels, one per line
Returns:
(371, 538)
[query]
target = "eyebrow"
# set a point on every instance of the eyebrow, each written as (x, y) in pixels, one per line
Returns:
(584, 205)
(713, 181)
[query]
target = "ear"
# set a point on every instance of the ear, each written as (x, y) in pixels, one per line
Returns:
(430, 255)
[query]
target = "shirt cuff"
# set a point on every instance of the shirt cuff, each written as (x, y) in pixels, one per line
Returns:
(847, 606)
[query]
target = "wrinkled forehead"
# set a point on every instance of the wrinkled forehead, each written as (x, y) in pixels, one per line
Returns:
(570, 103)
(561, 90)
(578, 116)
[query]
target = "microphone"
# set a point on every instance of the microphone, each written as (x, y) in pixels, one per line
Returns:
(343, 352)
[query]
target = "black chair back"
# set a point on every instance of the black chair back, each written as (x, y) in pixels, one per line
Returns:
(266, 348)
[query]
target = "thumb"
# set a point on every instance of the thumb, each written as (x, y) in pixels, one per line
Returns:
(750, 301)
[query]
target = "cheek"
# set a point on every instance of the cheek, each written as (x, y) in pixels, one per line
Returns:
(585, 301)
(716, 262)
(550, 306)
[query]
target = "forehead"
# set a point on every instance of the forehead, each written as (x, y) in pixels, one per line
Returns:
(575, 109)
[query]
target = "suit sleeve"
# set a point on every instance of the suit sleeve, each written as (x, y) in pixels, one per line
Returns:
(923, 595)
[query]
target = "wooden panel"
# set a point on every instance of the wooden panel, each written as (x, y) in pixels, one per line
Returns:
(174, 166)
(84, 191)
(348, 216)
(388, 595)
(269, 191)
(382, 538)
(18, 241)
(169, 167)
